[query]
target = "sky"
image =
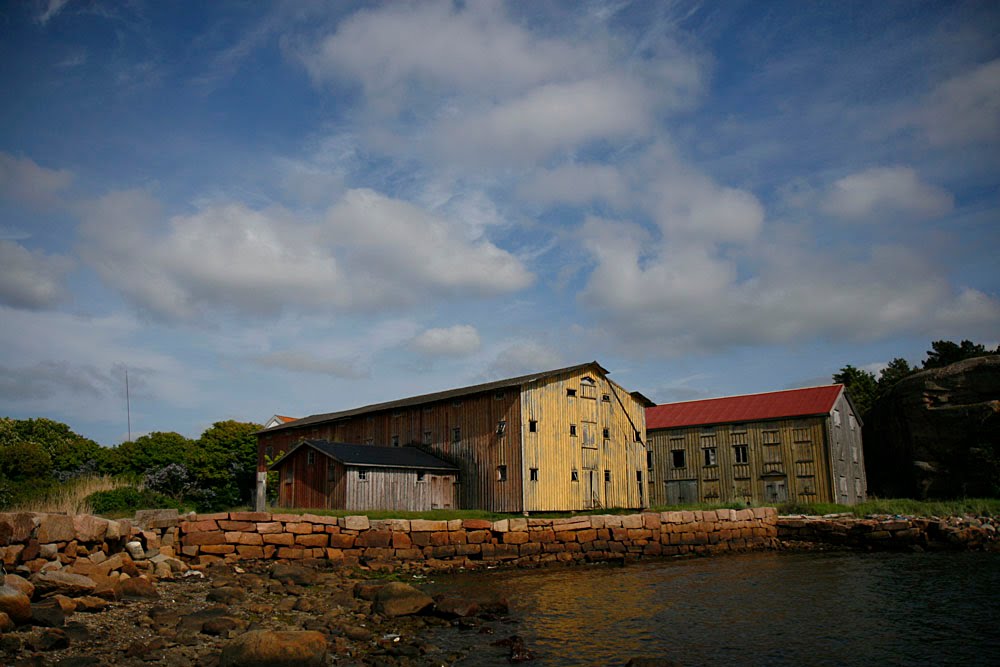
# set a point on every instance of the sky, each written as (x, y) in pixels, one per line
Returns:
(301, 207)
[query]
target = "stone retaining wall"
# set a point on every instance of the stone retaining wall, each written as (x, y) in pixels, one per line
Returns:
(468, 542)
(892, 533)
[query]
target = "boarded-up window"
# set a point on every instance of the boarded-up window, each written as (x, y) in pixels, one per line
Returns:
(395, 441)
(807, 485)
(310, 457)
(589, 436)
(649, 460)
(836, 417)
(771, 437)
(772, 454)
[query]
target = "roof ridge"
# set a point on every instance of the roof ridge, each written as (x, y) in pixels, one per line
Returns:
(758, 393)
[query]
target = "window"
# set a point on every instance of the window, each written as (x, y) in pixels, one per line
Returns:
(397, 413)
(310, 457)
(498, 395)
(606, 398)
(852, 422)
(857, 487)
(571, 392)
(710, 456)
(501, 427)
(854, 453)
(588, 388)
(606, 432)
(456, 434)
(395, 441)
(421, 475)
(574, 476)
(362, 475)
(741, 454)
(428, 437)
(288, 474)
(771, 437)
(532, 425)
(331, 473)
(533, 474)
(836, 417)
(677, 458)
(607, 475)
(843, 486)
(638, 475)
(638, 436)
(501, 473)
(572, 429)
(649, 460)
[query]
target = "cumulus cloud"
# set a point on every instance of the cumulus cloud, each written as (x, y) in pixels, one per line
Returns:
(523, 357)
(23, 181)
(459, 340)
(886, 192)
(578, 184)
(964, 109)
(367, 251)
(31, 279)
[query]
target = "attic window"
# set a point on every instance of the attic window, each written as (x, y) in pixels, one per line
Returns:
(606, 398)
(738, 428)
(362, 475)
(310, 457)
(421, 475)
(607, 432)
(571, 392)
(574, 476)
(533, 474)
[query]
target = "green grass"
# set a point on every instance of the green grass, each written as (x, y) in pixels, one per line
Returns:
(447, 515)
(901, 506)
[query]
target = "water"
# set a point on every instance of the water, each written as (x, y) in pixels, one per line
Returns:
(775, 608)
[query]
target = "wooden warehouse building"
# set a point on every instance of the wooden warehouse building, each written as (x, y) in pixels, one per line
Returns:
(318, 473)
(566, 439)
(799, 444)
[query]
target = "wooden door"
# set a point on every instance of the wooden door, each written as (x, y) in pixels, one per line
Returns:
(682, 492)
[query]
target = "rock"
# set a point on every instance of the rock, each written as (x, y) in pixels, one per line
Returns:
(90, 604)
(399, 599)
(55, 528)
(265, 648)
(21, 584)
(934, 433)
(68, 605)
(90, 528)
(82, 661)
(51, 640)
(63, 583)
(48, 613)
(304, 604)
(223, 626)
(357, 633)
(135, 550)
(296, 574)
(138, 587)
(77, 632)
(518, 650)
(366, 590)
(451, 607)
(6, 623)
(226, 595)
(141, 649)
(194, 622)
(16, 528)
(15, 604)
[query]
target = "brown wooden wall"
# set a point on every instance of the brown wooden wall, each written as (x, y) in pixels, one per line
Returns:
(398, 489)
(556, 453)
(301, 484)
(793, 450)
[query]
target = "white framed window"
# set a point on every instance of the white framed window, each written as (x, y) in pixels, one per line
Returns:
(710, 456)
(362, 475)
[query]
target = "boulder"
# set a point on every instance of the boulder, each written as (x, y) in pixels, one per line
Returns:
(15, 604)
(90, 604)
(55, 528)
(226, 595)
(63, 583)
(16, 528)
(135, 550)
(451, 607)
(265, 648)
(90, 528)
(48, 613)
(302, 576)
(399, 599)
(138, 587)
(21, 584)
(51, 640)
(6, 623)
(936, 433)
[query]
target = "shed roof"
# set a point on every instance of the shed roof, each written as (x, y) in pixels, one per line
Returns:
(751, 407)
(446, 395)
(372, 456)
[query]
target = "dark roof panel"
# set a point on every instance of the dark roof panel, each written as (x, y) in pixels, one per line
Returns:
(374, 456)
(437, 396)
(752, 407)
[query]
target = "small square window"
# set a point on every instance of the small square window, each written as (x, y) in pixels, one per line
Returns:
(533, 474)
(456, 434)
(362, 475)
(532, 425)
(677, 458)
(421, 475)
(395, 441)
(607, 475)
(501, 473)
(571, 392)
(572, 429)
(574, 476)
(606, 398)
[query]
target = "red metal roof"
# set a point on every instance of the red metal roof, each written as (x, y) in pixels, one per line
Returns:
(752, 407)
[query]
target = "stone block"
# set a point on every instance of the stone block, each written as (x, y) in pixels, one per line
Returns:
(198, 526)
(409, 554)
(16, 527)
(248, 551)
(213, 516)
(476, 524)
(424, 525)
(253, 517)
(89, 528)
(454, 524)
(586, 535)
(207, 537)
(501, 526)
(375, 538)
(632, 521)
(478, 536)
(291, 553)
(468, 549)
(301, 528)
(286, 518)
(398, 525)
(269, 527)
(378, 553)
(55, 528)
(251, 539)
(156, 519)
(401, 540)
(313, 540)
(342, 541)
(515, 538)
(355, 522)
(284, 539)
(241, 526)
(457, 537)
(542, 535)
(439, 538)
(517, 525)
(530, 549)
(217, 549)
(565, 535)
(639, 534)
(651, 521)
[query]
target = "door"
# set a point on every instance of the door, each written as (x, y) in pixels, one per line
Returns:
(682, 492)
(775, 491)
(588, 489)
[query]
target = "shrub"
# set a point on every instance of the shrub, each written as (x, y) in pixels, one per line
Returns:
(128, 499)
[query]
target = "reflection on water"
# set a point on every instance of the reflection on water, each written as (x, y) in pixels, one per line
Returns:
(754, 609)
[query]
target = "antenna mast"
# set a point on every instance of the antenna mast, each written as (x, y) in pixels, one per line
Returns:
(128, 406)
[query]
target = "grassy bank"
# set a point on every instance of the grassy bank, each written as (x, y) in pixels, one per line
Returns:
(901, 506)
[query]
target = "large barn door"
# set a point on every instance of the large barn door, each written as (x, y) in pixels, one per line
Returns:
(682, 492)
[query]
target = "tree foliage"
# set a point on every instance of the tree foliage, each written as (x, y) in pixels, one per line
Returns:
(945, 352)
(861, 386)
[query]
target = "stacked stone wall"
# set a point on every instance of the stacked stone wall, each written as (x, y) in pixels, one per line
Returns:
(468, 542)
(892, 532)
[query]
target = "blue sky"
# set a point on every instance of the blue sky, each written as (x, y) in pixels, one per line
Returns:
(301, 207)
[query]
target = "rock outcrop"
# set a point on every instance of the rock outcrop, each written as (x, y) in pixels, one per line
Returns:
(936, 434)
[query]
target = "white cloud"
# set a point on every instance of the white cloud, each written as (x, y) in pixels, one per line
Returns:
(367, 251)
(31, 279)
(458, 340)
(578, 184)
(22, 180)
(689, 205)
(302, 362)
(50, 9)
(523, 357)
(964, 109)
(886, 192)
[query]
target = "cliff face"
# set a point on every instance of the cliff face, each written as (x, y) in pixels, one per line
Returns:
(936, 434)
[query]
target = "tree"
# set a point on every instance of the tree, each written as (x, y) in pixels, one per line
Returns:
(945, 352)
(896, 370)
(68, 452)
(150, 452)
(225, 460)
(25, 460)
(861, 386)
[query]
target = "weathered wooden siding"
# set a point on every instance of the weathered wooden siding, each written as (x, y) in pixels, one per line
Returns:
(788, 452)
(571, 469)
(398, 489)
(846, 462)
(479, 451)
(304, 484)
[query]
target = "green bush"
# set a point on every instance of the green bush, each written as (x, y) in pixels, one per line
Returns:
(128, 499)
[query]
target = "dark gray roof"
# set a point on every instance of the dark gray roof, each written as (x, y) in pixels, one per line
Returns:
(438, 396)
(373, 456)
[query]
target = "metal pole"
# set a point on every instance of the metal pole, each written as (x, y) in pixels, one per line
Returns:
(128, 406)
